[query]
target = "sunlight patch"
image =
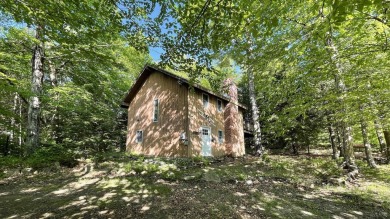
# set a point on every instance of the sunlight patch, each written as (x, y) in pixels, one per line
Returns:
(4, 193)
(75, 186)
(29, 190)
(103, 212)
(239, 194)
(258, 207)
(107, 196)
(90, 207)
(61, 192)
(47, 215)
(144, 191)
(307, 213)
(145, 208)
(127, 199)
(309, 196)
(358, 213)
(74, 203)
(113, 183)
(348, 215)
(79, 214)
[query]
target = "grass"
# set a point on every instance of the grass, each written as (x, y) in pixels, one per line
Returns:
(124, 186)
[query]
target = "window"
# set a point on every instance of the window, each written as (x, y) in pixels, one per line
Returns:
(139, 136)
(219, 105)
(220, 136)
(155, 110)
(205, 100)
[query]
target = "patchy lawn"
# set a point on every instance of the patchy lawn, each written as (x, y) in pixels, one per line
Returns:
(134, 187)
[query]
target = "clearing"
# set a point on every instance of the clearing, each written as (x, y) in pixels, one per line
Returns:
(122, 186)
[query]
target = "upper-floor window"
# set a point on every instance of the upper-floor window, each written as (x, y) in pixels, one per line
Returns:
(220, 136)
(219, 105)
(155, 110)
(205, 100)
(139, 136)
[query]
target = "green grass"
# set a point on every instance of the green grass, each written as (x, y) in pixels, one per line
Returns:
(139, 187)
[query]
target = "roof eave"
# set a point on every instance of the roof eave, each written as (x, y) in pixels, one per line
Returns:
(149, 69)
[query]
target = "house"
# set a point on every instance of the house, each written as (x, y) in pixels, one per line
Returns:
(169, 118)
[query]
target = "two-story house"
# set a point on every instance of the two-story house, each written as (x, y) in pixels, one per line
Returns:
(167, 117)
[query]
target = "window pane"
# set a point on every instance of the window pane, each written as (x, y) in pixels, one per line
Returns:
(155, 110)
(220, 136)
(219, 105)
(139, 137)
(205, 100)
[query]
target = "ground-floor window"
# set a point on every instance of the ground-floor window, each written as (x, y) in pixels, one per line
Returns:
(220, 136)
(139, 136)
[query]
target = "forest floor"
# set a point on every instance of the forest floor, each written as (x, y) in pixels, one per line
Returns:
(276, 186)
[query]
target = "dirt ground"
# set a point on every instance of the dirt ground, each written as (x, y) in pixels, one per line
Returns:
(282, 187)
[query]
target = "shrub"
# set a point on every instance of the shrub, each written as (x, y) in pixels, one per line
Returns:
(202, 160)
(139, 167)
(10, 162)
(49, 155)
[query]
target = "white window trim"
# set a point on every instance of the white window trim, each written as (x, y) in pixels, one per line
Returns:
(219, 110)
(136, 136)
(220, 140)
(154, 109)
(208, 100)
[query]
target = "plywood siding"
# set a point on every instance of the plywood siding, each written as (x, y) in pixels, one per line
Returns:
(199, 116)
(161, 138)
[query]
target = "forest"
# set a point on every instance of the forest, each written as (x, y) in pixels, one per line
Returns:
(313, 74)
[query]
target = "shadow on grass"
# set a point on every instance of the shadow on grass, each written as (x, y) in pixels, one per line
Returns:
(278, 193)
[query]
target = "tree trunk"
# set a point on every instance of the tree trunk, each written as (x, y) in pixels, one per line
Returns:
(339, 142)
(6, 146)
(33, 123)
(255, 113)
(386, 133)
(349, 158)
(20, 128)
(295, 148)
(13, 120)
(332, 137)
(379, 135)
(20, 136)
(55, 116)
(367, 145)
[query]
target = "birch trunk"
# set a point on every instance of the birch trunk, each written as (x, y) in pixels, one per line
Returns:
(367, 145)
(339, 142)
(34, 107)
(20, 127)
(381, 140)
(332, 138)
(13, 120)
(255, 114)
(349, 158)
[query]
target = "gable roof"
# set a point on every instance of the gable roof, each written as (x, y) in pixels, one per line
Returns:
(148, 70)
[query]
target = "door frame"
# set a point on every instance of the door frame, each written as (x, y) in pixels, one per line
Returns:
(210, 141)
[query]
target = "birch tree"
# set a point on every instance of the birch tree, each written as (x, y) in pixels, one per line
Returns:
(66, 23)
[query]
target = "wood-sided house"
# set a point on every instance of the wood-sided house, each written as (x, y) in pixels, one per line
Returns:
(169, 118)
